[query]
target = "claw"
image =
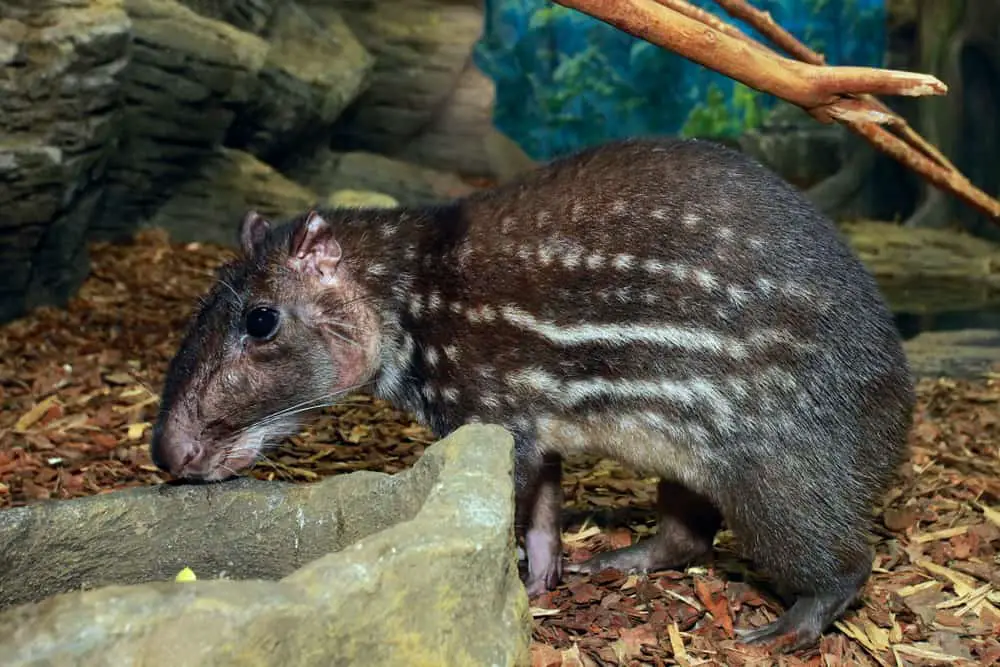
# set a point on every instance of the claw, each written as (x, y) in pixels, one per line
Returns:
(778, 636)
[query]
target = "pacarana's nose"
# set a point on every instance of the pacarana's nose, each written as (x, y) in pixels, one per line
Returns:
(175, 454)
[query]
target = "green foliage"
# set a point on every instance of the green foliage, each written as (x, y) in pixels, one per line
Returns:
(716, 119)
(565, 80)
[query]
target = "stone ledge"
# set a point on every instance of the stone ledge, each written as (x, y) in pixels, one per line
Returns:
(437, 538)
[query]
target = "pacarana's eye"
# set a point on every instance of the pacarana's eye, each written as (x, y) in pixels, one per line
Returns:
(262, 323)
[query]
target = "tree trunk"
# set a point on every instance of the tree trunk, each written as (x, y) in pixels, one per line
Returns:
(958, 42)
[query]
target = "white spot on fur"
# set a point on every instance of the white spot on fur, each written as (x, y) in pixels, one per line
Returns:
(536, 379)
(451, 352)
(387, 231)
(595, 260)
(619, 207)
(431, 355)
(376, 269)
(571, 257)
(450, 394)
(507, 224)
(429, 392)
(660, 213)
(464, 254)
(623, 262)
(456, 307)
(677, 270)
(416, 305)
(434, 301)
(410, 253)
(737, 295)
(524, 253)
(578, 211)
(765, 285)
(542, 219)
(489, 400)
(653, 266)
(724, 233)
(705, 279)
(690, 219)
(546, 253)
(488, 313)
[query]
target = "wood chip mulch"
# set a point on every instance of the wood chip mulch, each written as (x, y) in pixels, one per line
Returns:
(78, 390)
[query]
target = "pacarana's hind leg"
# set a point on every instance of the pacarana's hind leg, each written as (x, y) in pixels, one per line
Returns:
(686, 527)
(539, 510)
(814, 609)
(802, 625)
(810, 539)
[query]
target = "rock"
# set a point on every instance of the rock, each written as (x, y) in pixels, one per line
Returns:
(360, 199)
(462, 137)
(59, 117)
(421, 50)
(314, 69)
(966, 353)
(437, 538)
(249, 15)
(409, 184)
(803, 151)
(186, 76)
(209, 207)
(895, 252)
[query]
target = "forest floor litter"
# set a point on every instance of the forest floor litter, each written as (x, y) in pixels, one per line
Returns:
(79, 391)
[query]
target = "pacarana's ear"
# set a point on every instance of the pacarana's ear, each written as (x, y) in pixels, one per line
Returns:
(253, 229)
(314, 251)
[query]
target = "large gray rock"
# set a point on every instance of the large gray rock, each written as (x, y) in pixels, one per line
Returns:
(327, 171)
(209, 207)
(314, 69)
(421, 49)
(249, 15)
(187, 75)
(59, 115)
(417, 568)
(462, 137)
(962, 353)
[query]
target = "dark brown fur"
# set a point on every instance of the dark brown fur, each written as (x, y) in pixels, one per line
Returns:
(672, 305)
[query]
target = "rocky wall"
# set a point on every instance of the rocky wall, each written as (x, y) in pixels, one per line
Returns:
(116, 114)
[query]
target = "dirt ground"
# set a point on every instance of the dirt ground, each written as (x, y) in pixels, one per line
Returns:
(78, 390)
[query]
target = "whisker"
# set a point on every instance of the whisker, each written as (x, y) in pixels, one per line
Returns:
(327, 400)
(227, 468)
(239, 299)
(288, 412)
(345, 325)
(350, 341)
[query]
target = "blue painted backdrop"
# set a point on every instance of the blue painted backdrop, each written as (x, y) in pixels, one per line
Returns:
(565, 80)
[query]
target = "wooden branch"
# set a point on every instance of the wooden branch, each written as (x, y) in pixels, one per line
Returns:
(949, 180)
(932, 165)
(829, 94)
(808, 86)
(765, 24)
